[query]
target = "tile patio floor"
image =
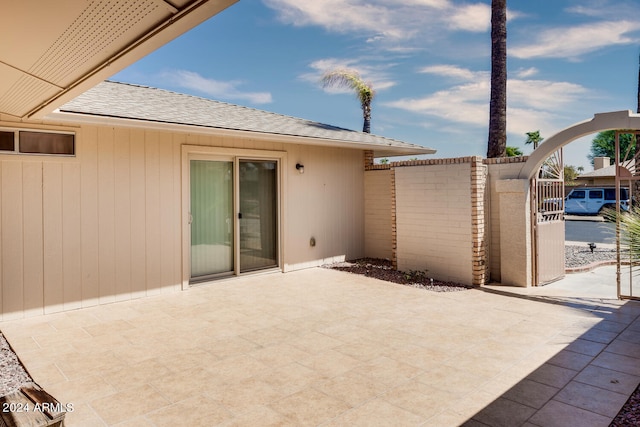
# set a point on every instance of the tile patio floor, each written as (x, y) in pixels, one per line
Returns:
(322, 347)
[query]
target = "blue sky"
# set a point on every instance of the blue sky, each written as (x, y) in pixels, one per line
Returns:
(429, 61)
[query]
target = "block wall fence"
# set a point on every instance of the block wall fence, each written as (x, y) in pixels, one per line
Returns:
(440, 215)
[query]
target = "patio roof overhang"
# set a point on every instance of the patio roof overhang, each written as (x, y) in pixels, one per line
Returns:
(51, 52)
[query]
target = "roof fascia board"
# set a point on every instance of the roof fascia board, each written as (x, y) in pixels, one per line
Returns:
(186, 19)
(379, 151)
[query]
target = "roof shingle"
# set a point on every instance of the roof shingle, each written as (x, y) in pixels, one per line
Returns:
(128, 101)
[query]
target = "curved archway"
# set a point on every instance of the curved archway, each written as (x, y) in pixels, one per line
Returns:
(616, 120)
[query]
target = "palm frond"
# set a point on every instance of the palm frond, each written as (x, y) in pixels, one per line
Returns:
(629, 232)
(349, 79)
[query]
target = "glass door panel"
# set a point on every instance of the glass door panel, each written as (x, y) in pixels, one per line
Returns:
(212, 242)
(258, 214)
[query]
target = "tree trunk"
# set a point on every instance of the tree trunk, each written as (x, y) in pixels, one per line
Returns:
(366, 127)
(638, 107)
(497, 143)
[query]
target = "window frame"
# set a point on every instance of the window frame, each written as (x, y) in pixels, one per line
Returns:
(16, 142)
(574, 195)
(596, 194)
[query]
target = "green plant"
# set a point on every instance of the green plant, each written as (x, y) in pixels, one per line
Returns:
(414, 275)
(534, 138)
(629, 231)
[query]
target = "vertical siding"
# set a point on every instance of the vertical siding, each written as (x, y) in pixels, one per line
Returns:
(71, 237)
(12, 239)
(138, 243)
(105, 226)
(33, 239)
(327, 203)
(122, 214)
(88, 152)
(106, 216)
(168, 224)
(152, 218)
(53, 247)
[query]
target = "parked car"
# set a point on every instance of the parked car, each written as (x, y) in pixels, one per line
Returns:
(592, 201)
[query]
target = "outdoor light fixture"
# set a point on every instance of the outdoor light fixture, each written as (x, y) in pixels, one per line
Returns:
(300, 167)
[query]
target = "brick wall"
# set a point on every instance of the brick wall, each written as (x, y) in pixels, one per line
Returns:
(435, 211)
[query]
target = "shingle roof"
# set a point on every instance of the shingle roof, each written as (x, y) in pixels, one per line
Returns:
(605, 171)
(128, 101)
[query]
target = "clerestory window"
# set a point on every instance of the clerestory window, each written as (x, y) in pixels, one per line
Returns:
(37, 142)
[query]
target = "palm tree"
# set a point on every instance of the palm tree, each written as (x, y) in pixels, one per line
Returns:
(513, 151)
(534, 138)
(498, 105)
(364, 91)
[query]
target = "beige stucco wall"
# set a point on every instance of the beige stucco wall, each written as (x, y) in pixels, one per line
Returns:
(515, 232)
(378, 214)
(499, 169)
(433, 215)
(107, 224)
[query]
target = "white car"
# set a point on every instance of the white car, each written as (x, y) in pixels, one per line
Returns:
(592, 201)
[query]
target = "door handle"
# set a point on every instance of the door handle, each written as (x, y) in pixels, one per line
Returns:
(239, 215)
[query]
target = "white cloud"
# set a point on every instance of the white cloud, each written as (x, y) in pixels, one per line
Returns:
(605, 9)
(465, 103)
(228, 90)
(523, 73)
(576, 41)
(389, 22)
(532, 104)
(454, 72)
(472, 17)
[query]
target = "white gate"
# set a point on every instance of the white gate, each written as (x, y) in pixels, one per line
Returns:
(547, 219)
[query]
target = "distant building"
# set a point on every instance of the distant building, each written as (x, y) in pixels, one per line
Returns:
(604, 173)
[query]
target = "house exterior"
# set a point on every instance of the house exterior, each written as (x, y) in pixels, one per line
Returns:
(603, 173)
(143, 191)
(105, 188)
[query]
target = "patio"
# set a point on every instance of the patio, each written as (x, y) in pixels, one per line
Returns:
(322, 347)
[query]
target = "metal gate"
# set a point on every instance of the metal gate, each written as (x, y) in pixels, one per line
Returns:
(627, 241)
(547, 219)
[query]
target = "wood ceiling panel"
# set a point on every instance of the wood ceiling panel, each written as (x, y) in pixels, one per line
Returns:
(63, 47)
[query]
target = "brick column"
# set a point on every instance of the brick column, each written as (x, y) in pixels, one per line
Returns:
(394, 228)
(479, 228)
(368, 159)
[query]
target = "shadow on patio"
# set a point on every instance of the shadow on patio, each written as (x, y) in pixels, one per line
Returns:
(588, 381)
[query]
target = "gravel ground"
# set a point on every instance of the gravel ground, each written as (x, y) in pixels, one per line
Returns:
(13, 376)
(629, 415)
(382, 269)
(578, 256)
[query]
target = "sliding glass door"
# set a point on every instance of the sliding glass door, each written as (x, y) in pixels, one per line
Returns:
(212, 242)
(223, 191)
(258, 222)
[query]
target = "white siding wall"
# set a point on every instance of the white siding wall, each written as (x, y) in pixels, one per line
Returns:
(105, 226)
(327, 203)
(433, 217)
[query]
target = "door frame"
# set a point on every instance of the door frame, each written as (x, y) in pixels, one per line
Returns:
(194, 152)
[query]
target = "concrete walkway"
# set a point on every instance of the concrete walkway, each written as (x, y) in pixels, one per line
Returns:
(325, 348)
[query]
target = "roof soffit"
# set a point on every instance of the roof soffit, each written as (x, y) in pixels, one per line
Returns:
(53, 51)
